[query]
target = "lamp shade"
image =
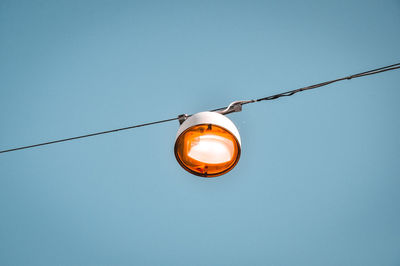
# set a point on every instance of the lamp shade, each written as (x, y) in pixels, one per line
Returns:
(207, 144)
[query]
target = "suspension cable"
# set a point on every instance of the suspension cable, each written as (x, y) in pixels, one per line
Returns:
(223, 110)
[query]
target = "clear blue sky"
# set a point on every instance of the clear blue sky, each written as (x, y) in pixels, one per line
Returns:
(319, 177)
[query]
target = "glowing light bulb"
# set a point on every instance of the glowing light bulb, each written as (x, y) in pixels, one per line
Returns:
(212, 149)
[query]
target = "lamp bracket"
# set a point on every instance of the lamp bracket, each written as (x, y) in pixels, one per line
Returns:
(182, 118)
(234, 107)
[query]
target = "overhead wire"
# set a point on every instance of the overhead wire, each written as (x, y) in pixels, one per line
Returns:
(291, 92)
(268, 98)
(362, 74)
(91, 135)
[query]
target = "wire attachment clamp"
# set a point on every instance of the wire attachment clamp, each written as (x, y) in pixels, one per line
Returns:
(235, 106)
(182, 118)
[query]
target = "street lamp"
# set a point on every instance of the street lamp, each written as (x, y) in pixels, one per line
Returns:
(208, 143)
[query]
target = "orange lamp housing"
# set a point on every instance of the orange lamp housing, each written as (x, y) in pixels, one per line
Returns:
(207, 144)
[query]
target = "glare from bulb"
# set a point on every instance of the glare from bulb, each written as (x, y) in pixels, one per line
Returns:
(212, 149)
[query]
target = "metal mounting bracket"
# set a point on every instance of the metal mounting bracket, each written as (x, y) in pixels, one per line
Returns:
(182, 118)
(234, 107)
